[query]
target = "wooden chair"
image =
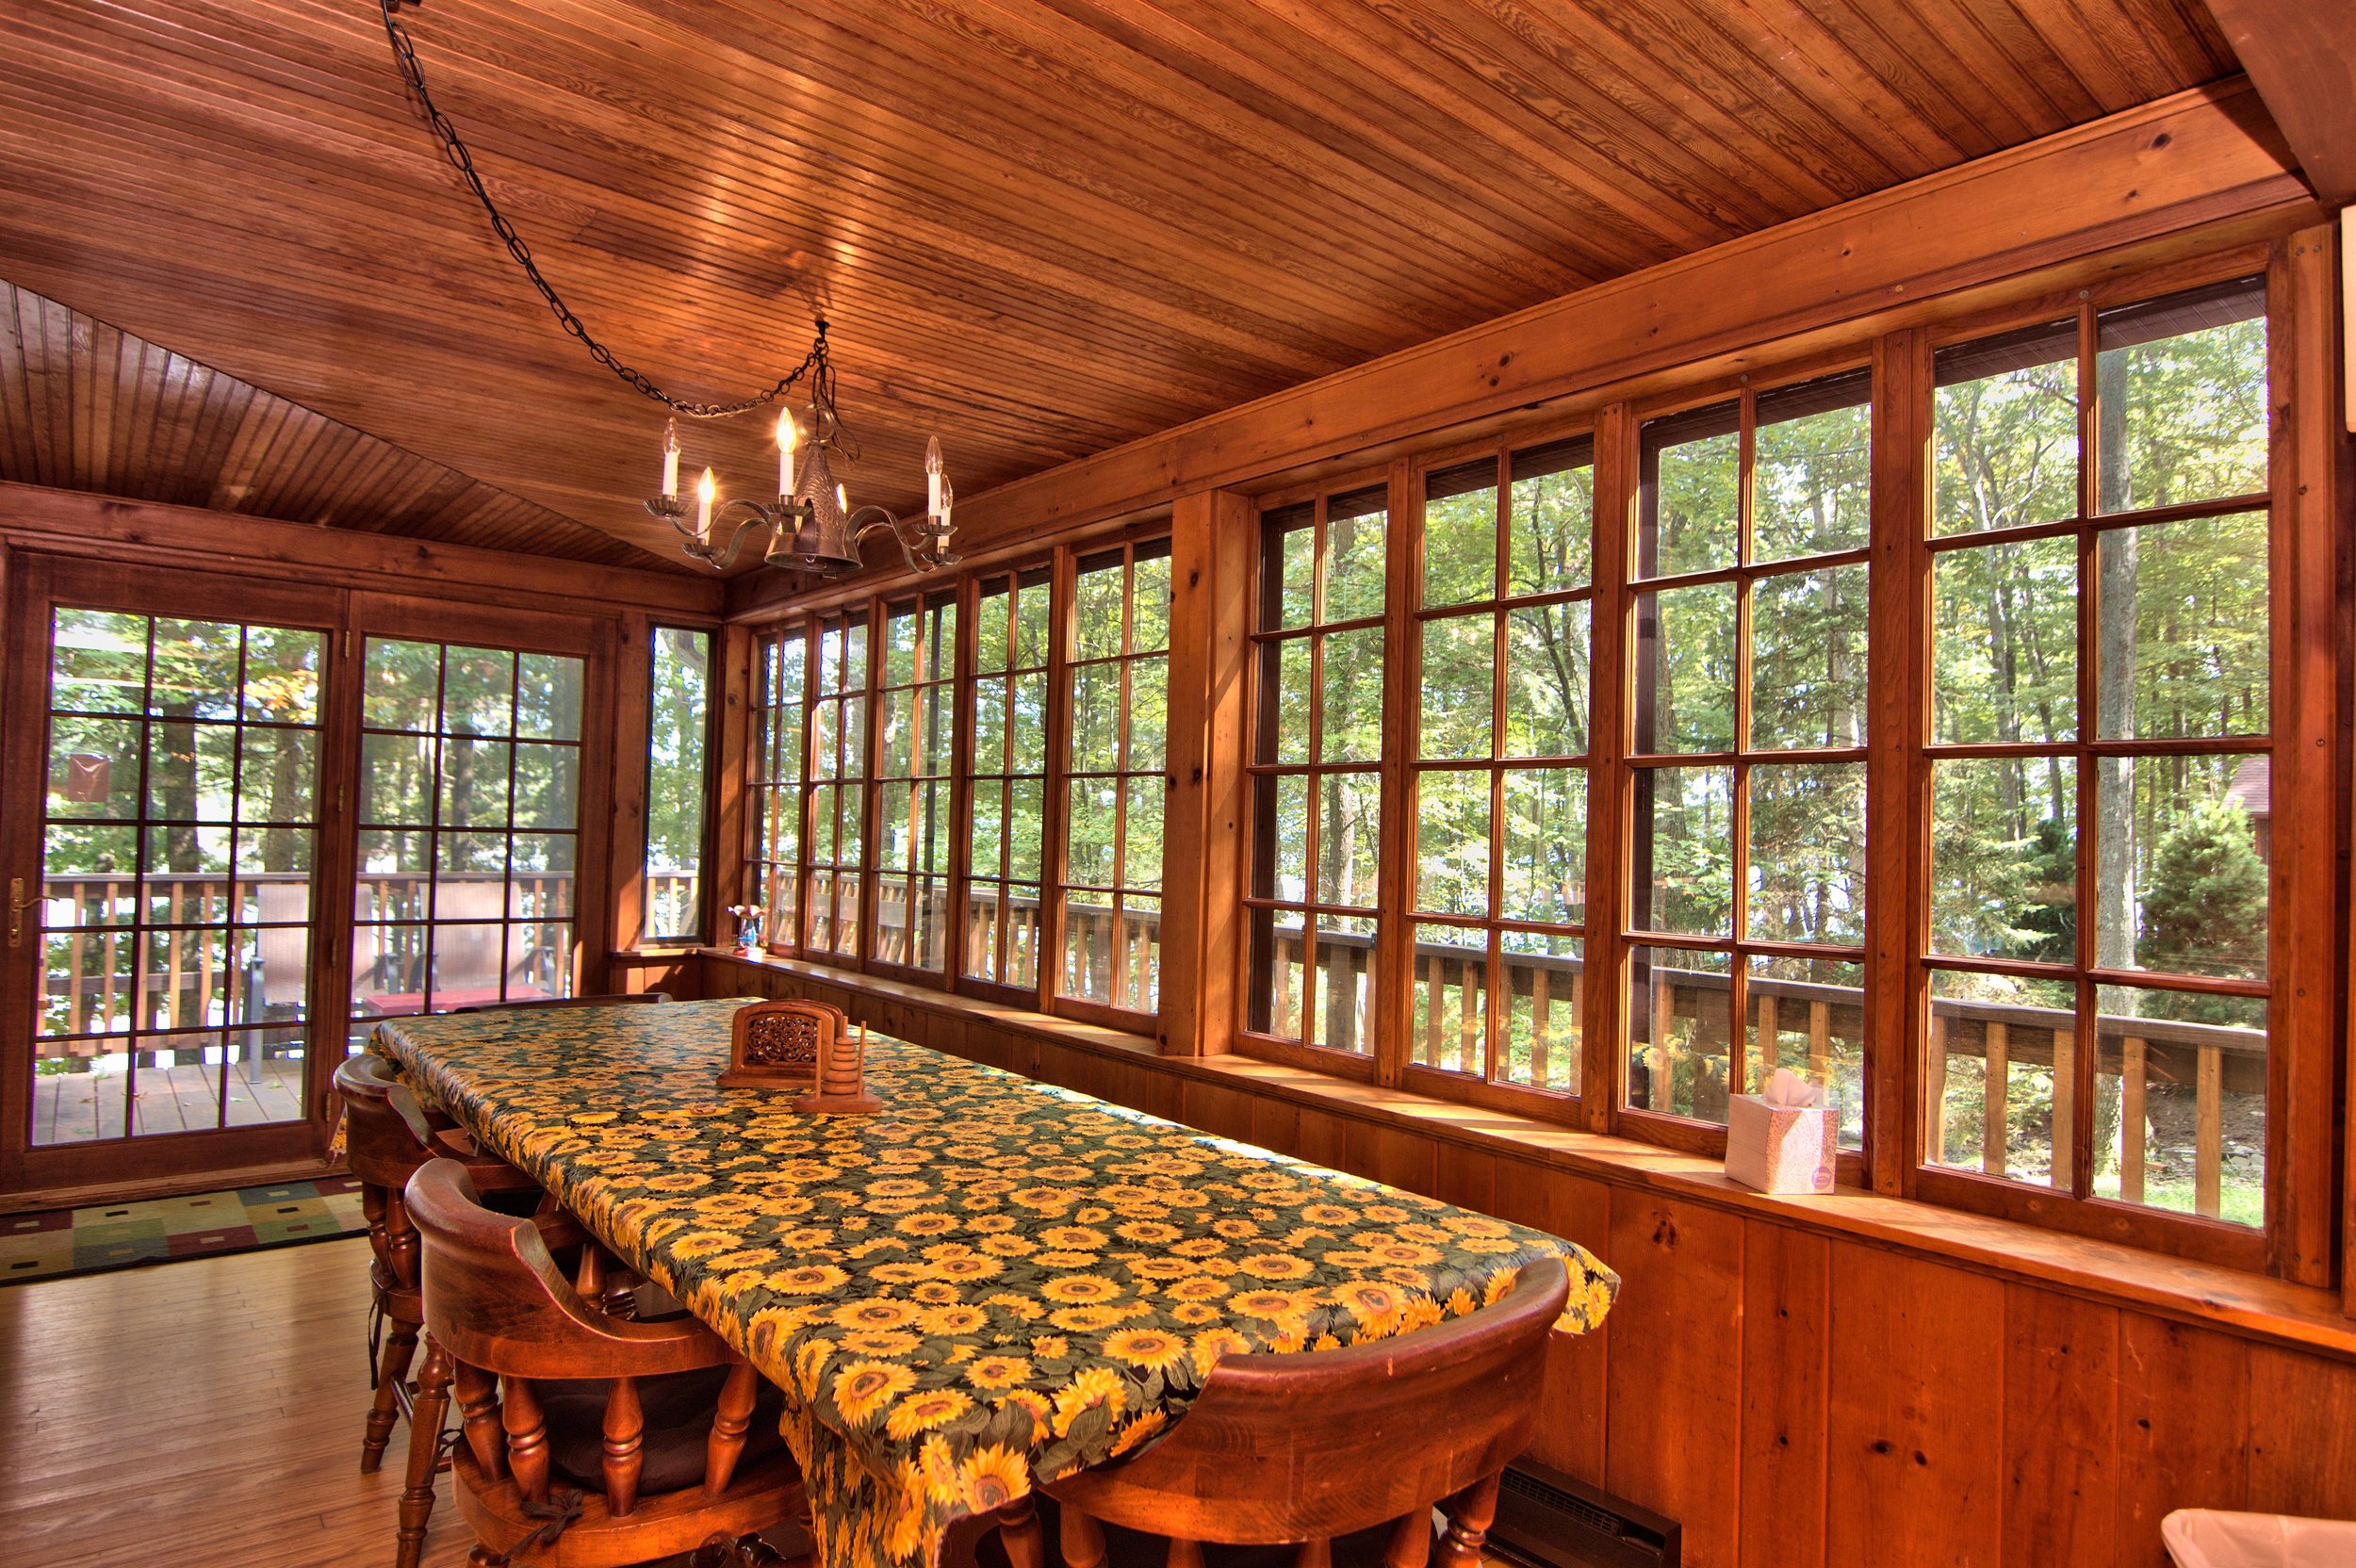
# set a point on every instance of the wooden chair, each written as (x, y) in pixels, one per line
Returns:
(387, 1139)
(1340, 1454)
(669, 1436)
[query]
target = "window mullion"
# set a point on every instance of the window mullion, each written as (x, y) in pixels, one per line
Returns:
(1609, 791)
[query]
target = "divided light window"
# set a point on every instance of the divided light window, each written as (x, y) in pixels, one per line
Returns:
(777, 731)
(469, 829)
(179, 840)
(836, 797)
(678, 778)
(2101, 736)
(1316, 771)
(915, 714)
(1500, 776)
(1746, 912)
(1011, 624)
(1119, 688)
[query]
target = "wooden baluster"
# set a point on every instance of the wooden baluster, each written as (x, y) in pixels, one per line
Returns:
(425, 1446)
(2065, 1105)
(75, 1021)
(2132, 1126)
(1468, 1030)
(1579, 1010)
(1434, 1003)
(730, 1420)
(527, 1439)
(112, 956)
(204, 979)
(2208, 1146)
(1661, 1082)
(479, 1416)
(1995, 1099)
(1819, 1040)
(1541, 1025)
(1282, 1014)
(1935, 1090)
(625, 1446)
(1082, 1539)
(176, 904)
(1770, 1053)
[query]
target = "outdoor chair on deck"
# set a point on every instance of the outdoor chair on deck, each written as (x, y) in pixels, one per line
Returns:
(588, 1440)
(1338, 1455)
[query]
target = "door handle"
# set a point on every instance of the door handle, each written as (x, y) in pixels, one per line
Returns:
(18, 903)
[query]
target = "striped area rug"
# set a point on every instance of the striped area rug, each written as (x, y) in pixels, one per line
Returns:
(51, 1243)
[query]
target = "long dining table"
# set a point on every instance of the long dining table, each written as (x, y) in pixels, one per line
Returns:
(989, 1282)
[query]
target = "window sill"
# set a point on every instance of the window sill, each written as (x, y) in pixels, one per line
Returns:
(2250, 1305)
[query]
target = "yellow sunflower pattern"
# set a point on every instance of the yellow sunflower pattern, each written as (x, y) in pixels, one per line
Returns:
(990, 1281)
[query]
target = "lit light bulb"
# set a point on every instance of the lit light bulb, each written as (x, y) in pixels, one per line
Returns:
(948, 499)
(841, 499)
(933, 482)
(787, 436)
(670, 459)
(705, 491)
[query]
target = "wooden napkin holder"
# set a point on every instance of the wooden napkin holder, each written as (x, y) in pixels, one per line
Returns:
(793, 1044)
(777, 1045)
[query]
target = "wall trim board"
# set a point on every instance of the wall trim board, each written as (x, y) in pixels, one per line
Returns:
(158, 534)
(2249, 1306)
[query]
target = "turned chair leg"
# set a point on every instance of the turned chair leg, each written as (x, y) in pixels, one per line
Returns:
(1020, 1534)
(400, 1348)
(425, 1453)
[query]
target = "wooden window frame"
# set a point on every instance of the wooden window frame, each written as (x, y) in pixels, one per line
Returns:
(1486, 1086)
(1065, 665)
(1039, 573)
(2302, 1200)
(1743, 576)
(947, 773)
(1262, 644)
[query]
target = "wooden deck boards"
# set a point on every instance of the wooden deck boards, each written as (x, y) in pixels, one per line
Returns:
(79, 1107)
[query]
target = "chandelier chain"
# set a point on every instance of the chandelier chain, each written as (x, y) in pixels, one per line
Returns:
(454, 149)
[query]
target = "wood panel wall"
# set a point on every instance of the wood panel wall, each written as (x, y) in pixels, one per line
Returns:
(1794, 1399)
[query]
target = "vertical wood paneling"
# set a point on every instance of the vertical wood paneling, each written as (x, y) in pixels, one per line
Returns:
(1915, 1430)
(1787, 1323)
(2302, 1434)
(2061, 1388)
(1571, 1431)
(2184, 1429)
(1675, 1373)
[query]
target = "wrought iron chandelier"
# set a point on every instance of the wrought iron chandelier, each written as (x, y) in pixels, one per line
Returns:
(811, 526)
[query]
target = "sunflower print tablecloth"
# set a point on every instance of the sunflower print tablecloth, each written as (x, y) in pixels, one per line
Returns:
(990, 1281)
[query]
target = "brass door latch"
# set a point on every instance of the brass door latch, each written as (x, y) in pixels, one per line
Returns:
(18, 903)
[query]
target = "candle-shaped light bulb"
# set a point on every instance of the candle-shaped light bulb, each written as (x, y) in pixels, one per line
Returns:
(787, 435)
(948, 501)
(933, 485)
(705, 490)
(670, 460)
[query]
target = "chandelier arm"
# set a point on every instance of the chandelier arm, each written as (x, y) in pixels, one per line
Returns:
(890, 523)
(461, 158)
(755, 515)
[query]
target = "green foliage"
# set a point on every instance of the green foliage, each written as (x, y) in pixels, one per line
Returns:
(2206, 905)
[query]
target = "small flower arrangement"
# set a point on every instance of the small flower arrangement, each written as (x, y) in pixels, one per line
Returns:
(747, 927)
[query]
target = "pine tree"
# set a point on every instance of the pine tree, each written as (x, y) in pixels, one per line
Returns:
(2206, 911)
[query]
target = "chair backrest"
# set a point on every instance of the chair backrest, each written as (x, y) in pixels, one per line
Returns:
(1306, 1447)
(386, 1137)
(496, 1299)
(562, 1002)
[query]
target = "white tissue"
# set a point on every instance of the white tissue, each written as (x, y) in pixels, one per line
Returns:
(1787, 1091)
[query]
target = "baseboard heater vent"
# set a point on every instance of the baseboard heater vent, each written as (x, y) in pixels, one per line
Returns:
(1547, 1520)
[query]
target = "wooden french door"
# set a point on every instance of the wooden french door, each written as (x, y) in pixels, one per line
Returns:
(241, 820)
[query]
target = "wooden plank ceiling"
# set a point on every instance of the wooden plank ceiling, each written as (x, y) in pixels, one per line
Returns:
(1040, 227)
(87, 406)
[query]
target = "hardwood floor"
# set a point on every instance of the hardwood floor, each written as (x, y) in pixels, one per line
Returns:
(198, 1413)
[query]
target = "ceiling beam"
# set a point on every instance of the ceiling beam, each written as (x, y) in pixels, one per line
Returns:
(2301, 57)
